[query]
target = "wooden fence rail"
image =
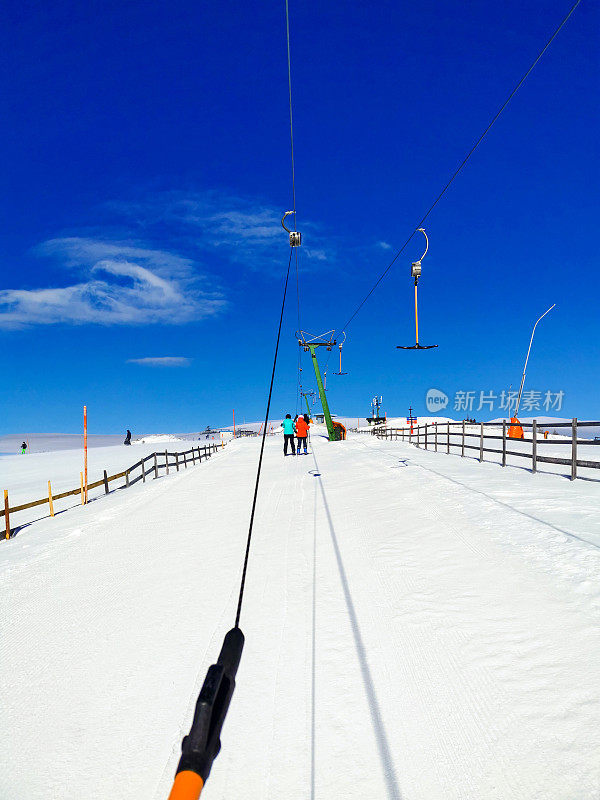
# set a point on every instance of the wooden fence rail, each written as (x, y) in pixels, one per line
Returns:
(169, 460)
(455, 434)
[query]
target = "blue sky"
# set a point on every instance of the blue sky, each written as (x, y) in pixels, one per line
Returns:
(146, 167)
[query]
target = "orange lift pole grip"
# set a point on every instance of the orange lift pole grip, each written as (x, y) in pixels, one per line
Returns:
(187, 786)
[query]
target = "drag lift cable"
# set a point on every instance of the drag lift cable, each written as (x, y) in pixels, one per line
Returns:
(462, 164)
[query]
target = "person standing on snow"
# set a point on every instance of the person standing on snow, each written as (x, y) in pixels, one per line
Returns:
(302, 427)
(288, 434)
(23, 448)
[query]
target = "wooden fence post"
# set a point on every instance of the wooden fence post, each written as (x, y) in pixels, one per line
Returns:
(193, 455)
(167, 461)
(6, 517)
(503, 442)
(185, 460)
(426, 426)
(177, 461)
(435, 437)
(448, 437)
(155, 467)
(126, 477)
(143, 471)
(51, 504)
(105, 482)
(481, 443)
(574, 448)
(82, 489)
(534, 446)
(462, 450)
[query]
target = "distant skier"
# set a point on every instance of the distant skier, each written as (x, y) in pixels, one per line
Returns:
(23, 448)
(128, 437)
(288, 434)
(302, 427)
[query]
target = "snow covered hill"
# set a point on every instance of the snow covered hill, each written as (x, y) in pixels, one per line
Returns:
(418, 626)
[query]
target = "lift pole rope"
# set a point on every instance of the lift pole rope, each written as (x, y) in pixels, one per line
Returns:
(203, 743)
(262, 448)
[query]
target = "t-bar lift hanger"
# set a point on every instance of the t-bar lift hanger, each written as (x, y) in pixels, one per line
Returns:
(416, 274)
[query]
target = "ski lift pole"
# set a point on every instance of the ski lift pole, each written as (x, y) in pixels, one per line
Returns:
(203, 743)
(415, 271)
(307, 406)
(322, 395)
(527, 359)
(416, 314)
(341, 372)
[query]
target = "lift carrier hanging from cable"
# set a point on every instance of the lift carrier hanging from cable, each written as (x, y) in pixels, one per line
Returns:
(340, 347)
(415, 272)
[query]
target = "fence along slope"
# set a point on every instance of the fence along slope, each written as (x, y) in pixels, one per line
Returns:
(195, 453)
(444, 436)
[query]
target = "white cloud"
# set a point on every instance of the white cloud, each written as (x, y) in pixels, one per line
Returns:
(161, 361)
(120, 284)
(384, 245)
(241, 229)
(122, 280)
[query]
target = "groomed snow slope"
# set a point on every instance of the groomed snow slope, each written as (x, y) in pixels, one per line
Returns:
(418, 626)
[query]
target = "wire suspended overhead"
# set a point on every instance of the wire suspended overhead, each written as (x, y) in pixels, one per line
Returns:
(455, 174)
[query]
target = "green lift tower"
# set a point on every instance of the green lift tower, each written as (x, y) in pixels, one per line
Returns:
(310, 346)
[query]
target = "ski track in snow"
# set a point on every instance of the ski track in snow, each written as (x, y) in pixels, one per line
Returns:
(418, 627)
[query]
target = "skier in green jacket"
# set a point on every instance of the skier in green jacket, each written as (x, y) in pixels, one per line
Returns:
(289, 431)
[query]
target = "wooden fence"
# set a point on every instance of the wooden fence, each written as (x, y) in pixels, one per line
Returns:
(443, 436)
(147, 466)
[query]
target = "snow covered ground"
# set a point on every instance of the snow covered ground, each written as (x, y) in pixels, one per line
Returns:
(419, 626)
(26, 476)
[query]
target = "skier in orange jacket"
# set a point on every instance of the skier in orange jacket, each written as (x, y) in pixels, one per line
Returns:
(302, 427)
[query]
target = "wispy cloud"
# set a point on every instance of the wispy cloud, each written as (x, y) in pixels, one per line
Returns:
(384, 245)
(130, 277)
(240, 229)
(120, 283)
(161, 361)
